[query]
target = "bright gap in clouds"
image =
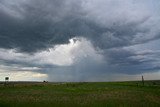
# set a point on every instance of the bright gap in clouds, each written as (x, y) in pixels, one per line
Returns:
(22, 76)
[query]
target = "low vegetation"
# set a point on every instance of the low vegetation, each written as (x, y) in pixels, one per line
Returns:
(82, 94)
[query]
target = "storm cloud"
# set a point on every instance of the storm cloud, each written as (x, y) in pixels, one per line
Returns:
(80, 40)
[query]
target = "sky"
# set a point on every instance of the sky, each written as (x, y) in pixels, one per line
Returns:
(79, 40)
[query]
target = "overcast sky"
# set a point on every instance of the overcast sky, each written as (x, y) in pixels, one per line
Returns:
(79, 40)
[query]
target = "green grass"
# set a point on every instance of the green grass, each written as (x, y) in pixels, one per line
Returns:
(95, 94)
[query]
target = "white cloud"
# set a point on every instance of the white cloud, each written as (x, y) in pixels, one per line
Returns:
(79, 53)
(60, 55)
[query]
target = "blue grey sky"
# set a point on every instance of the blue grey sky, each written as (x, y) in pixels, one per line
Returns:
(79, 40)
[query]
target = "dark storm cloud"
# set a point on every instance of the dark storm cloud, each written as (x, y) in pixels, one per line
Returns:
(34, 25)
(39, 25)
(31, 26)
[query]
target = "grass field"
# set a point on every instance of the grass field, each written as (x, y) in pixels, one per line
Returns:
(85, 94)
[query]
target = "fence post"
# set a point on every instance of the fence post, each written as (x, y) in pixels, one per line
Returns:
(142, 80)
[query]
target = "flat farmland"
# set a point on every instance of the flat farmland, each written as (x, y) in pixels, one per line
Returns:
(80, 94)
